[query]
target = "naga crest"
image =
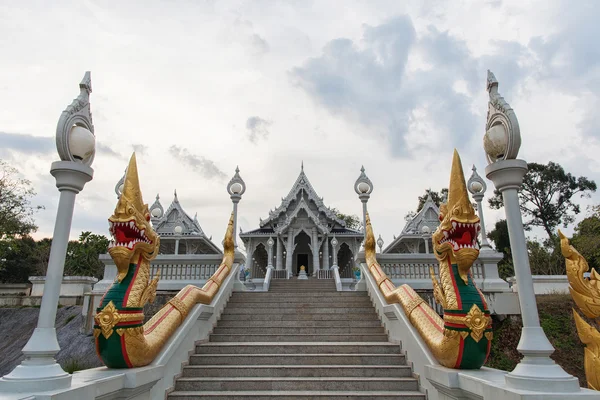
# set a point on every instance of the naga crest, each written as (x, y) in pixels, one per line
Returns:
(133, 236)
(456, 236)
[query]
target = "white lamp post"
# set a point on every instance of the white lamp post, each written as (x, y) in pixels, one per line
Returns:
(477, 187)
(363, 187)
(236, 188)
(75, 143)
(536, 371)
(380, 243)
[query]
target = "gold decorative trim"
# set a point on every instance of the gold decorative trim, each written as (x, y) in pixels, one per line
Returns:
(477, 321)
(412, 304)
(179, 306)
(109, 317)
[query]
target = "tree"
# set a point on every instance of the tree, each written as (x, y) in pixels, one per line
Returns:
(82, 255)
(499, 235)
(546, 196)
(586, 238)
(16, 211)
(352, 221)
(18, 258)
(437, 197)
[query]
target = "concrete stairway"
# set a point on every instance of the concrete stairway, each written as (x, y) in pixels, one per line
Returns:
(300, 340)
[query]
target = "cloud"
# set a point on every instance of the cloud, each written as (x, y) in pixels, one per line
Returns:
(370, 82)
(257, 129)
(204, 166)
(107, 150)
(25, 143)
(140, 149)
(259, 43)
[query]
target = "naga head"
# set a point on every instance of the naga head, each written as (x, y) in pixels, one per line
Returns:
(456, 236)
(133, 236)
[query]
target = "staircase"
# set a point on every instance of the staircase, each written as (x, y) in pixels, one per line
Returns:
(300, 340)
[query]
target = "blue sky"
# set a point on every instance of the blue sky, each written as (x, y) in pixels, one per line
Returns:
(198, 87)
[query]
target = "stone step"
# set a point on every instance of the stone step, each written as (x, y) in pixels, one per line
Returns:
(297, 317)
(298, 359)
(302, 383)
(299, 330)
(265, 295)
(299, 309)
(301, 303)
(298, 337)
(268, 324)
(295, 348)
(297, 370)
(323, 301)
(297, 395)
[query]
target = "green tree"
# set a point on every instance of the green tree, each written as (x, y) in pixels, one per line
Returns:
(16, 211)
(18, 258)
(499, 236)
(586, 238)
(546, 196)
(352, 221)
(437, 197)
(545, 257)
(82, 255)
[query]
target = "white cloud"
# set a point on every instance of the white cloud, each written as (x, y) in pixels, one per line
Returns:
(391, 85)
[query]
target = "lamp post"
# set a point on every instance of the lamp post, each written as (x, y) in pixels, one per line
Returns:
(236, 188)
(334, 243)
(477, 187)
(536, 371)
(380, 243)
(75, 143)
(270, 244)
(363, 187)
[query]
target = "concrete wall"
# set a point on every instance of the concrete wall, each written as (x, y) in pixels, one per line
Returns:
(545, 284)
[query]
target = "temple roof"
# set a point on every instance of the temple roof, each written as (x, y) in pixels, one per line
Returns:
(175, 222)
(424, 222)
(302, 201)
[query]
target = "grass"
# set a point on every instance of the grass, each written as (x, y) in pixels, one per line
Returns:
(69, 319)
(556, 318)
(73, 365)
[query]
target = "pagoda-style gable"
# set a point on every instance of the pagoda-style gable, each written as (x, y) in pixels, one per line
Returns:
(421, 225)
(302, 197)
(175, 225)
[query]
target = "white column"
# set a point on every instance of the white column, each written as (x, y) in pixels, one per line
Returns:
(270, 243)
(326, 252)
(279, 261)
(176, 246)
(315, 250)
(290, 247)
(39, 371)
(536, 371)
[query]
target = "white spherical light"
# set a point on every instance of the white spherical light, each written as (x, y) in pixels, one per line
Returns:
(363, 187)
(157, 212)
(495, 142)
(121, 186)
(81, 143)
(236, 188)
(476, 186)
(425, 229)
(178, 229)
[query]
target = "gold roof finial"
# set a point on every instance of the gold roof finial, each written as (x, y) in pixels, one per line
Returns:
(457, 189)
(131, 186)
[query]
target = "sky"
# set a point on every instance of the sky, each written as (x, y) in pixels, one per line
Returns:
(197, 88)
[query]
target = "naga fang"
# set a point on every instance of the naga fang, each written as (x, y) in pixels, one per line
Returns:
(462, 338)
(123, 340)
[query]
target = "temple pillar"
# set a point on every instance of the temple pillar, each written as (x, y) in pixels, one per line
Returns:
(279, 260)
(315, 250)
(326, 252)
(176, 246)
(290, 251)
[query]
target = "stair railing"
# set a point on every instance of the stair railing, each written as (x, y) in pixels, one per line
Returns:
(336, 277)
(267, 280)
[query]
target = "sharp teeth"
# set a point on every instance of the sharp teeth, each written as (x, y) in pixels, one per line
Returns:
(453, 224)
(455, 245)
(131, 224)
(446, 234)
(142, 232)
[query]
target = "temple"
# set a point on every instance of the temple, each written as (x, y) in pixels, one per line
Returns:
(300, 232)
(416, 235)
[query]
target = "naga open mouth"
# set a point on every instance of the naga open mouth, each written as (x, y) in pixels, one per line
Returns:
(462, 235)
(126, 234)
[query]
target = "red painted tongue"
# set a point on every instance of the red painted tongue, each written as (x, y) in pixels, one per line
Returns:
(466, 238)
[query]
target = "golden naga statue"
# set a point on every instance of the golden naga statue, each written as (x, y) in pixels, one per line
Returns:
(586, 294)
(123, 340)
(462, 339)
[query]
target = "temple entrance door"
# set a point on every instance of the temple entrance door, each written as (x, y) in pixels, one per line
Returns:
(302, 259)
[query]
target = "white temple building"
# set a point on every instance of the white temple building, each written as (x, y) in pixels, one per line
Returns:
(301, 232)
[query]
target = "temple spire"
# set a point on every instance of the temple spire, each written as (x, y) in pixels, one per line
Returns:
(302, 166)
